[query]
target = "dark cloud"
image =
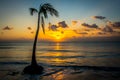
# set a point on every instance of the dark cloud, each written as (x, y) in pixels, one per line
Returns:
(98, 17)
(107, 29)
(62, 24)
(29, 28)
(7, 28)
(114, 24)
(77, 32)
(90, 26)
(53, 27)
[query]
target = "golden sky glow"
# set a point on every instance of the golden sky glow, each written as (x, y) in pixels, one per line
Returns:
(80, 20)
(56, 36)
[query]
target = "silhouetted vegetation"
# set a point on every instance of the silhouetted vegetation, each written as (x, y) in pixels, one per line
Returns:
(42, 13)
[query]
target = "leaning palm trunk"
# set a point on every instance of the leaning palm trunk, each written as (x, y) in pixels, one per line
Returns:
(43, 11)
(34, 62)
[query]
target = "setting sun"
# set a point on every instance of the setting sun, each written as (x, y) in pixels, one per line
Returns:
(57, 36)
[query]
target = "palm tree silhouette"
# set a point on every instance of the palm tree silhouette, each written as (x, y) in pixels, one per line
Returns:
(42, 13)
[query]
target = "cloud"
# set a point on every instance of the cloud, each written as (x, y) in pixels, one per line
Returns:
(98, 17)
(32, 32)
(62, 24)
(74, 22)
(77, 32)
(113, 24)
(101, 33)
(87, 30)
(107, 29)
(7, 28)
(90, 26)
(82, 33)
(29, 28)
(53, 27)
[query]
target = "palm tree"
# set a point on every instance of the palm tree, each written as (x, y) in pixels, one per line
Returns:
(42, 13)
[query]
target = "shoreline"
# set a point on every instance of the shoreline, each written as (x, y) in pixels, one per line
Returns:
(62, 73)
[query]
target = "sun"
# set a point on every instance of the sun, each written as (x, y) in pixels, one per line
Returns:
(57, 36)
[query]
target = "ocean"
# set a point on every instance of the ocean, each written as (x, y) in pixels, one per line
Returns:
(62, 61)
(62, 54)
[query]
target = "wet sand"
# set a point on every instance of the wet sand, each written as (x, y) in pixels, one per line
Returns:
(59, 73)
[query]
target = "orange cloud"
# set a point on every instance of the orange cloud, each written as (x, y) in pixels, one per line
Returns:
(32, 32)
(7, 28)
(29, 28)
(74, 22)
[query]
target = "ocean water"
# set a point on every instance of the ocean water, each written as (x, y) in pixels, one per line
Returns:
(63, 54)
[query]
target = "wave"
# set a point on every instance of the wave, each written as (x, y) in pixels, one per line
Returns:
(66, 57)
(7, 47)
(75, 67)
(97, 68)
(20, 63)
(62, 50)
(78, 51)
(1, 63)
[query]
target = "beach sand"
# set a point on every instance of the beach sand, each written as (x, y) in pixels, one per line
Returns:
(58, 73)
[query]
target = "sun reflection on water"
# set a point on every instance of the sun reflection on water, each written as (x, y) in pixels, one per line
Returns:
(58, 54)
(57, 47)
(58, 60)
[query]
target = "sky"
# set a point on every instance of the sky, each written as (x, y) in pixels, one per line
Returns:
(78, 20)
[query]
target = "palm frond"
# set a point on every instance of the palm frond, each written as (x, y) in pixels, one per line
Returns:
(52, 12)
(48, 4)
(43, 24)
(44, 12)
(33, 10)
(48, 8)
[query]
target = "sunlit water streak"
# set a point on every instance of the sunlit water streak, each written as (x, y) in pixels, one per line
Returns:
(86, 53)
